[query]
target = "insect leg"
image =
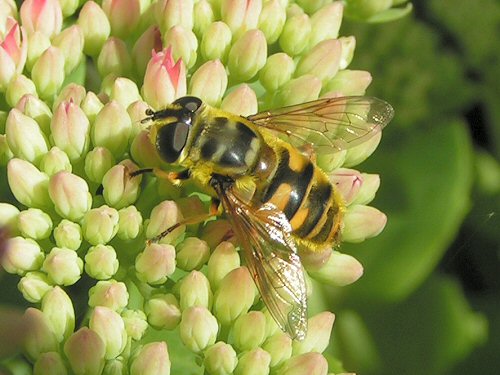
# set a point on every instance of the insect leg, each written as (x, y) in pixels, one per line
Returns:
(171, 176)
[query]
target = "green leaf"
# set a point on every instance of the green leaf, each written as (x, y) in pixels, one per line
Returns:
(391, 14)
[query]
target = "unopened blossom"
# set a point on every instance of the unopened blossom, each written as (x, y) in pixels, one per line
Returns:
(42, 15)
(13, 52)
(123, 15)
(85, 351)
(151, 359)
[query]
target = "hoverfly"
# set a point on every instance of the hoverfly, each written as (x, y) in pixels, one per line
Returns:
(276, 198)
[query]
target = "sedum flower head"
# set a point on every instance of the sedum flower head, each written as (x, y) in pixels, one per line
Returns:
(80, 220)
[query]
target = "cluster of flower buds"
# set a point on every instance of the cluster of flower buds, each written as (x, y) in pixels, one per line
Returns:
(75, 213)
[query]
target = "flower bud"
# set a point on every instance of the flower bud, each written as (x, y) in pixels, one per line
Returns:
(339, 270)
(224, 259)
(58, 308)
(299, 90)
(109, 293)
(184, 44)
(63, 266)
(277, 71)
(19, 86)
(110, 327)
(151, 359)
(33, 286)
(91, 106)
(101, 262)
(322, 60)
(25, 137)
(198, 328)
(171, 13)
(308, 363)
(362, 222)
(330, 162)
(247, 55)
(249, 331)
(235, 295)
(155, 263)
(255, 362)
(34, 223)
(164, 81)
(68, 234)
(279, 346)
(70, 195)
(135, 323)
(28, 184)
(41, 338)
(21, 255)
(43, 16)
(348, 45)
(325, 23)
(70, 42)
(50, 363)
(203, 16)
(348, 183)
(192, 253)
(5, 152)
(149, 41)
(195, 291)
(119, 188)
(95, 26)
(319, 329)
(97, 162)
(163, 216)
(209, 82)
(129, 223)
(8, 216)
(115, 366)
(216, 41)
(349, 82)
(13, 52)
(371, 183)
(38, 43)
(242, 101)
(99, 225)
(359, 153)
(114, 58)
(36, 109)
(55, 161)
(271, 20)
(111, 128)
(240, 15)
(85, 352)
(295, 35)
(163, 311)
(220, 358)
(48, 72)
(123, 16)
(125, 92)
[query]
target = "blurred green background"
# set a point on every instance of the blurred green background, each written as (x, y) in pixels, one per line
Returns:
(429, 300)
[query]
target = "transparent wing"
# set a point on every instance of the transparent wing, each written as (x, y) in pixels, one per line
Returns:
(328, 125)
(271, 256)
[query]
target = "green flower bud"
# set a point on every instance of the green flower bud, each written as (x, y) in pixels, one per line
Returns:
(48, 72)
(101, 262)
(348, 45)
(254, 362)
(299, 90)
(97, 162)
(112, 128)
(129, 223)
(28, 184)
(198, 328)
(115, 366)
(195, 291)
(236, 294)
(71, 93)
(141, 52)
(305, 364)
(21, 255)
(41, 338)
(241, 100)
(220, 359)
(68, 234)
(58, 308)
(123, 16)
(91, 105)
(109, 293)
(25, 138)
(203, 16)
(184, 44)
(216, 41)
(110, 327)
(34, 223)
(50, 363)
(247, 55)
(125, 92)
(361, 9)
(310, 6)
(371, 183)
(68, 7)
(70, 194)
(135, 323)
(63, 266)
(322, 60)
(362, 222)
(163, 311)
(38, 43)
(100, 225)
(192, 253)
(156, 263)
(33, 286)
(36, 109)
(295, 35)
(278, 70)
(171, 13)
(151, 359)
(55, 161)
(240, 15)
(5, 152)
(349, 82)
(114, 58)
(209, 82)
(249, 331)
(330, 162)
(8, 216)
(70, 41)
(319, 329)
(163, 216)
(95, 26)
(121, 190)
(70, 130)
(271, 20)
(85, 352)
(19, 86)
(224, 259)
(271, 326)
(325, 23)
(136, 111)
(279, 346)
(45, 17)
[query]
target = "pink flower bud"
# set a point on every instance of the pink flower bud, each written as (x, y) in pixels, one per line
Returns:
(48, 72)
(242, 101)
(109, 293)
(241, 15)
(348, 182)
(247, 55)
(41, 338)
(151, 359)
(121, 190)
(95, 26)
(209, 82)
(170, 13)
(305, 364)
(322, 60)
(42, 15)
(13, 52)
(85, 352)
(339, 270)
(110, 327)
(163, 216)
(37, 109)
(19, 86)
(70, 194)
(114, 58)
(184, 44)
(319, 329)
(63, 266)
(149, 41)
(123, 15)
(326, 23)
(155, 263)
(362, 222)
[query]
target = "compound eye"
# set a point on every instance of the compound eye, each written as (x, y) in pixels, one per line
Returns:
(191, 103)
(171, 139)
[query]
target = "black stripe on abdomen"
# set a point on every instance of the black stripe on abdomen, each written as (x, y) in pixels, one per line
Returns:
(317, 202)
